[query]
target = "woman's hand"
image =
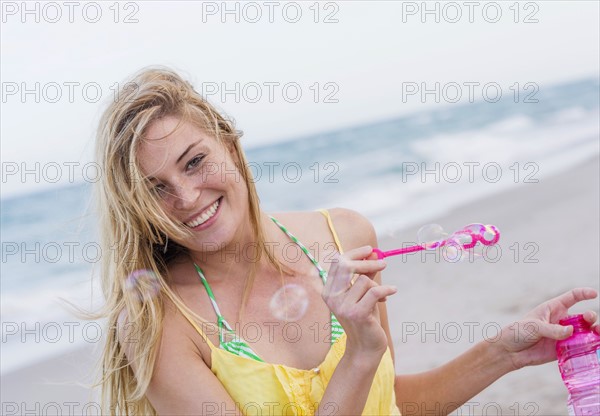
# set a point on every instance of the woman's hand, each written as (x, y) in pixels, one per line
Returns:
(352, 296)
(532, 340)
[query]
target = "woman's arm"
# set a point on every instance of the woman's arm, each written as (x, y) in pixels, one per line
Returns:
(349, 387)
(529, 341)
(446, 388)
(351, 382)
(355, 307)
(181, 383)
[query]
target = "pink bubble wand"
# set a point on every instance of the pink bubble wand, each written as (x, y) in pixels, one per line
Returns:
(467, 238)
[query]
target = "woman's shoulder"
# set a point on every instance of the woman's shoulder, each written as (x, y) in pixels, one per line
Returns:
(352, 228)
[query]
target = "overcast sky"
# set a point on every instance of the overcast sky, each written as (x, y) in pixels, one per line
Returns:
(355, 59)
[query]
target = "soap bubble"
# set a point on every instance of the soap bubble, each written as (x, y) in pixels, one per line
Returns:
(475, 228)
(289, 303)
(491, 234)
(452, 250)
(144, 283)
(464, 238)
(460, 247)
(431, 235)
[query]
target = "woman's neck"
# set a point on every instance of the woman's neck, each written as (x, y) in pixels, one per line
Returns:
(235, 260)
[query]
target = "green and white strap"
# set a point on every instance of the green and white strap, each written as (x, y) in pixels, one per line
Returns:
(336, 327)
(236, 345)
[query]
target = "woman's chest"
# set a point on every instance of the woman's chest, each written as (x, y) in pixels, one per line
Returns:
(287, 323)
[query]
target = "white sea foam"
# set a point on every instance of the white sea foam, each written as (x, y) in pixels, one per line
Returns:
(540, 150)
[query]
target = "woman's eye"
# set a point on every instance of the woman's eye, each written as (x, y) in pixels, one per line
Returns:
(195, 161)
(160, 189)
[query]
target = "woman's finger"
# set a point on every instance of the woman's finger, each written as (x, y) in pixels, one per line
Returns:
(554, 331)
(356, 261)
(576, 295)
(338, 277)
(361, 285)
(342, 270)
(365, 266)
(590, 316)
(359, 253)
(375, 294)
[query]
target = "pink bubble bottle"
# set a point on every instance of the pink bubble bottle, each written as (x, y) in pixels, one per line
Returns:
(579, 364)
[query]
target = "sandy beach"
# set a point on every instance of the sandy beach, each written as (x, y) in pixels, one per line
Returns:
(549, 244)
(56, 386)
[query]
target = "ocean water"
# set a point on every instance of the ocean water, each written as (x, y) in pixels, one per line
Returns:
(397, 172)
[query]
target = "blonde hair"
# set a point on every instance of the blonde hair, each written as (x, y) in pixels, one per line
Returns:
(134, 226)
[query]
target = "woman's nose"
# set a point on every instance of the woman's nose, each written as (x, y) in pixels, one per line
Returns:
(186, 196)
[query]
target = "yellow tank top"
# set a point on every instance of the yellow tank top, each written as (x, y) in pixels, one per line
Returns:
(261, 388)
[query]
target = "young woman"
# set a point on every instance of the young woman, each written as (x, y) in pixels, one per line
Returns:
(192, 295)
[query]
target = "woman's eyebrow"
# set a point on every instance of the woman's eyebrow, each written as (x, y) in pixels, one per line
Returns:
(191, 146)
(187, 150)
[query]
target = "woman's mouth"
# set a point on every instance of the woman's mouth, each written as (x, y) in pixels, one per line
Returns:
(206, 217)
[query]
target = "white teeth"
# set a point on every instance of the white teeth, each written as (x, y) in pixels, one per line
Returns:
(205, 216)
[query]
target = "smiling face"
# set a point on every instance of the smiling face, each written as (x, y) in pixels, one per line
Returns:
(195, 178)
